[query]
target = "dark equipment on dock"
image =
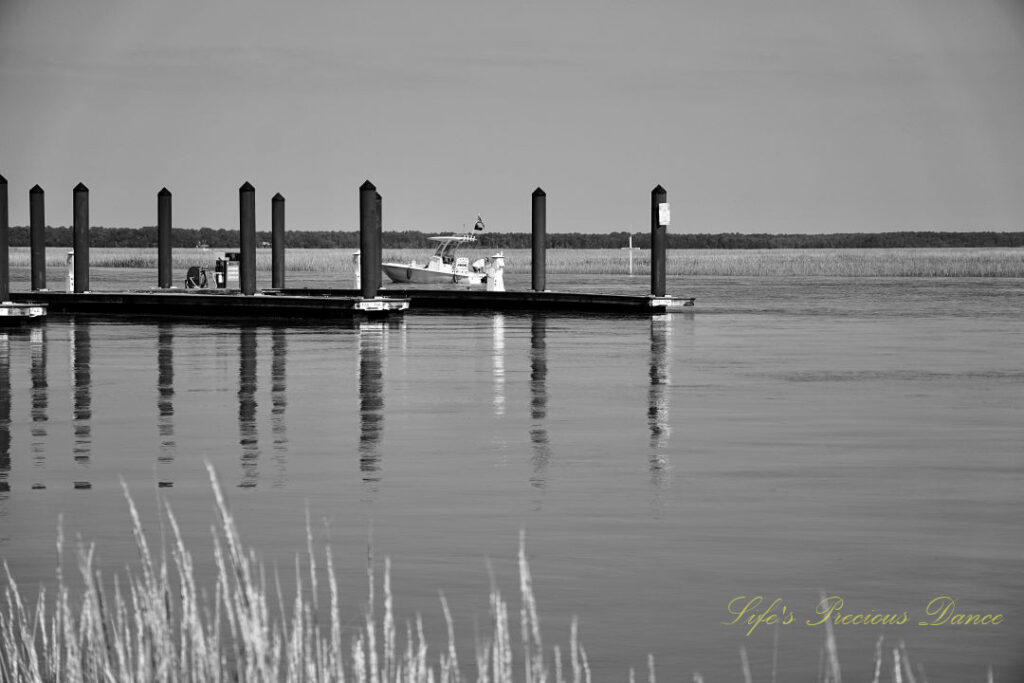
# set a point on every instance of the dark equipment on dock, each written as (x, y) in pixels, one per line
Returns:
(196, 278)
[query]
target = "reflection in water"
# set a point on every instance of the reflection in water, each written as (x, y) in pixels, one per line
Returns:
(248, 437)
(165, 391)
(371, 400)
(81, 352)
(498, 358)
(279, 401)
(40, 394)
(539, 400)
(5, 412)
(658, 396)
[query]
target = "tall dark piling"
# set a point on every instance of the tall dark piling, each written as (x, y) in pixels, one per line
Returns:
(659, 228)
(539, 241)
(247, 238)
(369, 240)
(37, 236)
(378, 214)
(163, 239)
(5, 411)
(277, 241)
(5, 264)
(80, 237)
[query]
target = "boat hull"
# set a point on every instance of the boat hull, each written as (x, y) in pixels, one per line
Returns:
(406, 274)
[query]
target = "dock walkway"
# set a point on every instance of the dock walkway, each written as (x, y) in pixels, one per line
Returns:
(326, 304)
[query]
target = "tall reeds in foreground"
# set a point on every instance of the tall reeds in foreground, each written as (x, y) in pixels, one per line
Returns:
(159, 626)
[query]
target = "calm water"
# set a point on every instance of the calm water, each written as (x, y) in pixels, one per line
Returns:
(861, 437)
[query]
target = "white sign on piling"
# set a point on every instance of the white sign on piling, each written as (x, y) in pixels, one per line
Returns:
(663, 213)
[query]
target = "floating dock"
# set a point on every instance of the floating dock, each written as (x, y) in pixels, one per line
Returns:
(328, 304)
(244, 300)
(12, 313)
(213, 303)
(462, 299)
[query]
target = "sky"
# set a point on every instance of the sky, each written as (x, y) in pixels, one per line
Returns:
(790, 116)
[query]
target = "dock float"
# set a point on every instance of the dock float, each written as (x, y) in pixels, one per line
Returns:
(211, 304)
(12, 313)
(327, 304)
(461, 300)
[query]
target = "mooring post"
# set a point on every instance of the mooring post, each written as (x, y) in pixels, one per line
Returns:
(659, 228)
(247, 238)
(369, 241)
(378, 212)
(539, 241)
(5, 272)
(37, 237)
(80, 238)
(163, 239)
(277, 241)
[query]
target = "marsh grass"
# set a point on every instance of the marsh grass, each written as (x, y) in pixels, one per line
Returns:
(158, 625)
(982, 262)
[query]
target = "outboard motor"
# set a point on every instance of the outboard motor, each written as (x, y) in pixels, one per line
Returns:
(494, 268)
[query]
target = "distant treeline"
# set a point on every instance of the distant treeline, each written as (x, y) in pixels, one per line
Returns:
(308, 239)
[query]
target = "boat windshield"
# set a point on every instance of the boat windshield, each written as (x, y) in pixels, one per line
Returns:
(446, 251)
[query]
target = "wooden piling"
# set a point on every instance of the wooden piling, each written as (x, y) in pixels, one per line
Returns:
(539, 239)
(247, 238)
(378, 214)
(80, 237)
(37, 237)
(369, 241)
(658, 239)
(277, 241)
(163, 239)
(5, 264)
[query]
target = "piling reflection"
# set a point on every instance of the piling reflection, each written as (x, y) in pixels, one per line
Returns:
(40, 397)
(539, 400)
(658, 397)
(498, 362)
(371, 400)
(81, 369)
(165, 391)
(279, 401)
(247, 431)
(5, 413)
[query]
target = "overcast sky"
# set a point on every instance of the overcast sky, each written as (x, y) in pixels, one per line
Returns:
(756, 116)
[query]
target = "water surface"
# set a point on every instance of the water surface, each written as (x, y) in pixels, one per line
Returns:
(857, 436)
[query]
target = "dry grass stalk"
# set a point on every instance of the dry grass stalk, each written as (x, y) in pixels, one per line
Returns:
(161, 628)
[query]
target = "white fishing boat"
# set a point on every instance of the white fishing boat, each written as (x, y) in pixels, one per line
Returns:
(445, 266)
